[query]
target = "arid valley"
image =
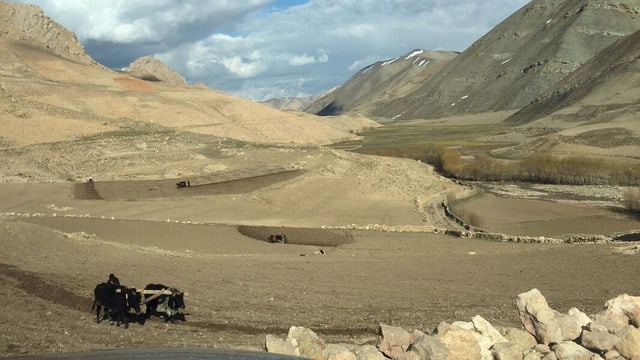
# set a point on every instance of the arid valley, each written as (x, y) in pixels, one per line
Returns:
(368, 240)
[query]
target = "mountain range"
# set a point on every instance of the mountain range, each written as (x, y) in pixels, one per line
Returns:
(382, 81)
(563, 72)
(512, 66)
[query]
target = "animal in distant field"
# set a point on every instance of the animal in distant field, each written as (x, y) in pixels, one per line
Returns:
(168, 306)
(277, 238)
(183, 184)
(117, 301)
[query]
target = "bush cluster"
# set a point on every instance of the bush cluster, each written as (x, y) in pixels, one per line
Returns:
(536, 168)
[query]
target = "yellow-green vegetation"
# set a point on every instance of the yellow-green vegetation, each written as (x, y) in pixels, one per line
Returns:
(455, 151)
(540, 168)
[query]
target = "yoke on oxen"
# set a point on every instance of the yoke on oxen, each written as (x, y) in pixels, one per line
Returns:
(163, 301)
(118, 300)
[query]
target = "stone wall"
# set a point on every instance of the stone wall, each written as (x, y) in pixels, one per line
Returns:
(546, 334)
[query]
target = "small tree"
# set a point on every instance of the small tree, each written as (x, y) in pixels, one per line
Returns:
(451, 161)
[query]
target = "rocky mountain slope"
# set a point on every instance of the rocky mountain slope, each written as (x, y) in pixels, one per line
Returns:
(520, 59)
(592, 112)
(383, 80)
(28, 25)
(615, 67)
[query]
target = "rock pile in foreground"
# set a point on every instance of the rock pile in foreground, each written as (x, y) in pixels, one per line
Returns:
(547, 334)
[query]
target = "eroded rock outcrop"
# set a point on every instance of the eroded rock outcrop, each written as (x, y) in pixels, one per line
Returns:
(151, 69)
(547, 334)
(28, 24)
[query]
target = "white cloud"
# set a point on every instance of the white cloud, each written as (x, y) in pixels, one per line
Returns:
(351, 31)
(323, 56)
(303, 59)
(244, 67)
(260, 49)
(146, 20)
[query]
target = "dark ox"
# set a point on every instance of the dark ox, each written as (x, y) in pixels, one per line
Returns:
(117, 301)
(167, 306)
(183, 184)
(277, 238)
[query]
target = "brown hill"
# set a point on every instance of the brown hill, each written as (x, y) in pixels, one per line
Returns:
(519, 59)
(51, 105)
(53, 93)
(384, 80)
(60, 112)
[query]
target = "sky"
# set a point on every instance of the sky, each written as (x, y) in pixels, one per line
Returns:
(261, 49)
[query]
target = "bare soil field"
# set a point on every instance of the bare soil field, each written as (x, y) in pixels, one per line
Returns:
(58, 244)
(551, 210)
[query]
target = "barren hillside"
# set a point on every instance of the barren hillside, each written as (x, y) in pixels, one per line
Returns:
(588, 90)
(40, 87)
(384, 80)
(592, 112)
(519, 59)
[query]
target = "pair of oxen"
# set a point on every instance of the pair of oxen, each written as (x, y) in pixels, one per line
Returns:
(118, 301)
